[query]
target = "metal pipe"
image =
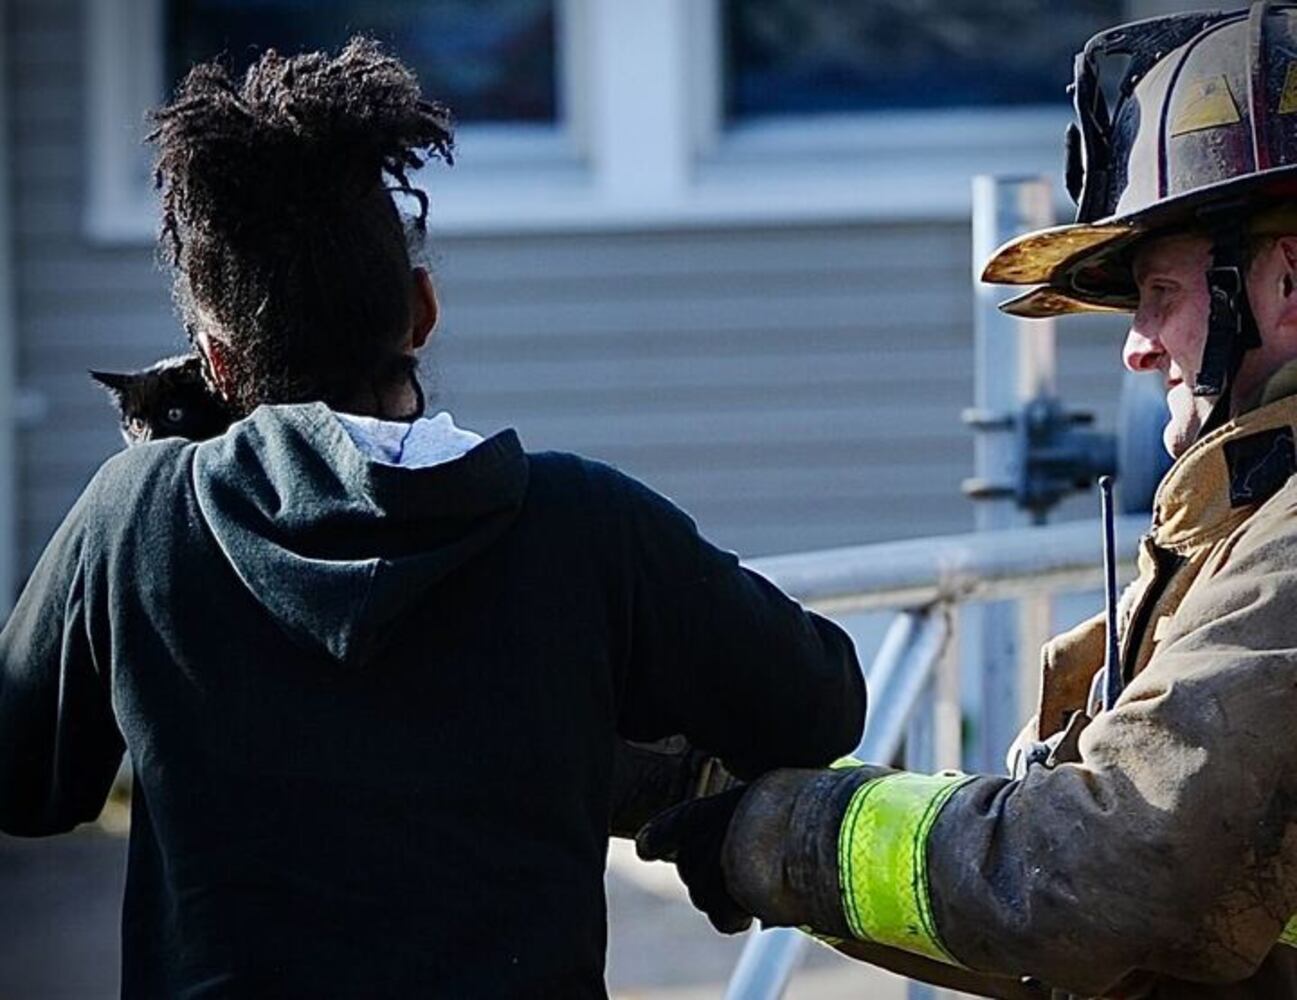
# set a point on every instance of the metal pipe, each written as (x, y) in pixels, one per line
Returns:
(976, 566)
(1005, 559)
(1014, 367)
(1013, 359)
(769, 960)
(910, 574)
(900, 671)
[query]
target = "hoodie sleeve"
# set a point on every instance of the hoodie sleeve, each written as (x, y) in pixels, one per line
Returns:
(719, 654)
(59, 743)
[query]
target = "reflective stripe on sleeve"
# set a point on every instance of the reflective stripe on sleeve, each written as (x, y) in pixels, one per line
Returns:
(882, 863)
(1288, 935)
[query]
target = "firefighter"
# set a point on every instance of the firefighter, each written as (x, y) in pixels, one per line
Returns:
(1150, 850)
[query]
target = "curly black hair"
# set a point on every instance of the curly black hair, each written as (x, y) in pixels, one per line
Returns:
(283, 238)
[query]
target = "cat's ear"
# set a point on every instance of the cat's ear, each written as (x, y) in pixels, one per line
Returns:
(115, 382)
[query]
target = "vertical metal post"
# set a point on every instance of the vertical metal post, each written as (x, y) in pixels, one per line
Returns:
(8, 351)
(901, 671)
(1014, 363)
(947, 710)
(922, 732)
(923, 749)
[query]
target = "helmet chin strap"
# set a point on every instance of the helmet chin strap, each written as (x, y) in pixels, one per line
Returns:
(1231, 327)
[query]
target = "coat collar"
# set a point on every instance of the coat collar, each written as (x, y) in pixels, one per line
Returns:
(1222, 478)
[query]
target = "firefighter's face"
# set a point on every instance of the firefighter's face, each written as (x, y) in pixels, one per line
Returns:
(1170, 328)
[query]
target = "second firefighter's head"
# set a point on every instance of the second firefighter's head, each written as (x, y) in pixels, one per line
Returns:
(1186, 191)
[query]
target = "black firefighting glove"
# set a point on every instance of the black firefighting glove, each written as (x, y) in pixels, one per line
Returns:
(650, 778)
(692, 835)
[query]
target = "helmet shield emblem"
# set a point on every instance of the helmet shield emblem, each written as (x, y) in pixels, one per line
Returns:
(1177, 118)
(1107, 136)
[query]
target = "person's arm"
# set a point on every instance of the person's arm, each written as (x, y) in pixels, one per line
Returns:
(59, 742)
(719, 654)
(1170, 848)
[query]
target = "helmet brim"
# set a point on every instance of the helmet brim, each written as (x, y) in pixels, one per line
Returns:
(1086, 266)
(1046, 301)
(1041, 257)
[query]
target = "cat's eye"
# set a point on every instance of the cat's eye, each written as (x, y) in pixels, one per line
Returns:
(138, 425)
(175, 415)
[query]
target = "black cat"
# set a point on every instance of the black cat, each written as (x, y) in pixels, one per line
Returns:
(168, 399)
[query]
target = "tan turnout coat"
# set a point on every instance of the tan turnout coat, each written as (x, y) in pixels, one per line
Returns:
(1162, 862)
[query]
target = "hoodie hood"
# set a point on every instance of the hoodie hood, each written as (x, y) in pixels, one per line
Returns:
(336, 546)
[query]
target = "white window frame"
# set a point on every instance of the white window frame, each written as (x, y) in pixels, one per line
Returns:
(125, 78)
(641, 144)
(907, 164)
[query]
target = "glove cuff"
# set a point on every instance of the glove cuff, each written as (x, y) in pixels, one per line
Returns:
(842, 853)
(781, 855)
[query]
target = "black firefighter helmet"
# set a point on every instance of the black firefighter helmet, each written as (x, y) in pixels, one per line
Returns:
(1200, 136)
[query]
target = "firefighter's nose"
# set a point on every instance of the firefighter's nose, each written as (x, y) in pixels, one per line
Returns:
(1142, 352)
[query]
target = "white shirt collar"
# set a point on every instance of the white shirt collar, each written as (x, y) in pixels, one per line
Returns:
(425, 442)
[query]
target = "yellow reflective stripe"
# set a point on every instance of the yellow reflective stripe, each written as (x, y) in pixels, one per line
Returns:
(1288, 935)
(882, 863)
(849, 761)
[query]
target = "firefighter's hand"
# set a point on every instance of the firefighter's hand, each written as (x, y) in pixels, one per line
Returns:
(692, 835)
(649, 778)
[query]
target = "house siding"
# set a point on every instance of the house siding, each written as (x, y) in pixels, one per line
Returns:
(793, 387)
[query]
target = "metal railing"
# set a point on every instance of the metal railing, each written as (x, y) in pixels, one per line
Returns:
(914, 701)
(916, 573)
(1029, 452)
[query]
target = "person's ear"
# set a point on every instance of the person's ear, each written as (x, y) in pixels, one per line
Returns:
(423, 306)
(1287, 246)
(217, 362)
(1277, 307)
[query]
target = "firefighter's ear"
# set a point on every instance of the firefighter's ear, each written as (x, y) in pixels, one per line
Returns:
(1284, 279)
(1287, 247)
(1272, 288)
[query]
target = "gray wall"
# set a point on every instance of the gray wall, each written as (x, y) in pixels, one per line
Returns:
(792, 387)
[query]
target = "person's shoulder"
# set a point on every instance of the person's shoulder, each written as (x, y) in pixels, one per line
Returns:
(565, 470)
(600, 481)
(126, 491)
(616, 513)
(142, 462)
(135, 472)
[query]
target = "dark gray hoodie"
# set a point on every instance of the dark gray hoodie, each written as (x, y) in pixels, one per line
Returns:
(370, 710)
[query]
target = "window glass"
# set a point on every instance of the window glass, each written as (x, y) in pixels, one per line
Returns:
(807, 56)
(489, 60)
